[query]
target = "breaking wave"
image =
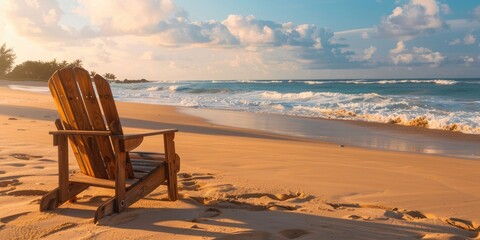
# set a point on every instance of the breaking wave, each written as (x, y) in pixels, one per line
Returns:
(371, 100)
(363, 81)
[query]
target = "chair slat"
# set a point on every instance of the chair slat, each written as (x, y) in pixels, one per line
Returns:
(111, 114)
(67, 85)
(96, 118)
(66, 118)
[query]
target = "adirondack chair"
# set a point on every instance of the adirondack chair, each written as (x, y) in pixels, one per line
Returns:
(89, 121)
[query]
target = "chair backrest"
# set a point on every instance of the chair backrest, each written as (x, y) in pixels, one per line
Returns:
(84, 105)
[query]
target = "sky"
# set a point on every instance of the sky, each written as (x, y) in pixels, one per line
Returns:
(250, 39)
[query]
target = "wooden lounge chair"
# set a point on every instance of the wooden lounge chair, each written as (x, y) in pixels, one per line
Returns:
(89, 121)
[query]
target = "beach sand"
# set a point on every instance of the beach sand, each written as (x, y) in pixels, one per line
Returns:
(237, 184)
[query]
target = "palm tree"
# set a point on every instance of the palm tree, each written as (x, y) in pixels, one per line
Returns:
(7, 57)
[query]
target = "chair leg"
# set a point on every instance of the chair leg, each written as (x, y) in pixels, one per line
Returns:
(107, 208)
(120, 166)
(171, 168)
(52, 199)
(172, 187)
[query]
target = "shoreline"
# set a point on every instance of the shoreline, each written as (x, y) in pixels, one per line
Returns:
(302, 185)
(382, 136)
(386, 136)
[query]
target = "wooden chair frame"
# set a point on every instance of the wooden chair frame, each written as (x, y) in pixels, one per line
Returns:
(90, 122)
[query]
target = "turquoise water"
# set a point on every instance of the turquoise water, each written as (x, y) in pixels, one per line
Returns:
(448, 104)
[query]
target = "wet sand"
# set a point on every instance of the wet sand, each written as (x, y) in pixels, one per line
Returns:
(351, 133)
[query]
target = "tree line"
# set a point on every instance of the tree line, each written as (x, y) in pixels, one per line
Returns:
(35, 70)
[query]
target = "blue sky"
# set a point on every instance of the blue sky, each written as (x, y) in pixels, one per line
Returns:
(246, 39)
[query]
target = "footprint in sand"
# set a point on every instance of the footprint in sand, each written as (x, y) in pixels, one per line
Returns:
(184, 175)
(16, 164)
(194, 176)
(23, 156)
(413, 215)
(8, 183)
(279, 196)
(58, 228)
(276, 207)
(210, 213)
(27, 193)
(393, 214)
(20, 156)
(189, 181)
(366, 218)
(355, 217)
(46, 160)
(252, 235)
(293, 233)
(10, 218)
(343, 206)
(190, 185)
(461, 223)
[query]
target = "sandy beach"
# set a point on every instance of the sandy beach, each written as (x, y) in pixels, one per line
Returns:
(236, 184)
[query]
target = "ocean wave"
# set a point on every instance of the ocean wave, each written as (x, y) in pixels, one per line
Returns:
(209, 90)
(30, 88)
(318, 96)
(260, 81)
(152, 89)
(431, 121)
(428, 111)
(436, 81)
(173, 88)
(277, 95)
(363, 81)
(316, 82)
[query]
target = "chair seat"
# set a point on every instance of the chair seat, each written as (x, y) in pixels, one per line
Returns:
(143, 163)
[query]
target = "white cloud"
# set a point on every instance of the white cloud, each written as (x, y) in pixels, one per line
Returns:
(368, 53)
(455, 41)
(38, 19)
(469, 39)
(127, 16)
(445, 9)
(400, 47)
(400, 55)
(406, 58)
(468, 60)
(411, 20)
(251, 31)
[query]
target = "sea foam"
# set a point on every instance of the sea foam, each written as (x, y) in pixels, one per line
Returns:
(430, 103)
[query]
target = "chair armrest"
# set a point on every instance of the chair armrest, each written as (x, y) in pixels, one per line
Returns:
(133, 136)
(80, 133)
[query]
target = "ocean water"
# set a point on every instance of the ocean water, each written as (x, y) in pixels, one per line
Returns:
(446, 104)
